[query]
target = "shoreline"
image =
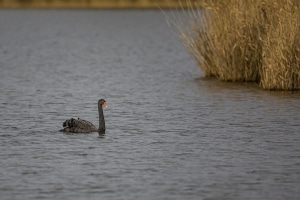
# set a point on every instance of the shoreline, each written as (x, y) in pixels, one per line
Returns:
(96, 4)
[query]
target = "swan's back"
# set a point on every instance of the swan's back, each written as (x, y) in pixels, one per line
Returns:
(78, 126)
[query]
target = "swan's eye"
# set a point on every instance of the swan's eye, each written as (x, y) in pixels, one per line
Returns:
(104, 104)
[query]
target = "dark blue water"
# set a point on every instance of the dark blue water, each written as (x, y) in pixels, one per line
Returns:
(171, 134)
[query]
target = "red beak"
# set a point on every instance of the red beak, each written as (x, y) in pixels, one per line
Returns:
(104, 104)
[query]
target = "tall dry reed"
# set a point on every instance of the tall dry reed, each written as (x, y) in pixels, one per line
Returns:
(281, 53)
(254, 40)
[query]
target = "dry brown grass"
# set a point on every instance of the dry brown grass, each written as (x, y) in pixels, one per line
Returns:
(254, 40)
(281, 53)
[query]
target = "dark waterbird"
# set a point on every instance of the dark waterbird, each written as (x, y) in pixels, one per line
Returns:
(82, 126)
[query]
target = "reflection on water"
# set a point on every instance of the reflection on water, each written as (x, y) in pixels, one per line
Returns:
(170, 134)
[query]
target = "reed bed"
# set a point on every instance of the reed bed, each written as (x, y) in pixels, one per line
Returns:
(246, 41)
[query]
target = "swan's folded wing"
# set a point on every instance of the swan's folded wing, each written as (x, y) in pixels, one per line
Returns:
(78, 126)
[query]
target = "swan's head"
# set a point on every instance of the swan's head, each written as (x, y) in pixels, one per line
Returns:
(102, 102)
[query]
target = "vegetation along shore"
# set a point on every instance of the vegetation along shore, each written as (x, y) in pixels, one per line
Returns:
(247, 41)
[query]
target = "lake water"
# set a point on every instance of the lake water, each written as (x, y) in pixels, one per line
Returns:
(171, 134)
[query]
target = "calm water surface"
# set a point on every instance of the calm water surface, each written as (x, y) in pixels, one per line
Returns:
(170, 133)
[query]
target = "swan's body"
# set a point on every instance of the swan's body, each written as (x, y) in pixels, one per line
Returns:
(82, 126)
(78, 126)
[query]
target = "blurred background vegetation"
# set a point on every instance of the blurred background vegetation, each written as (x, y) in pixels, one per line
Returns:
(97, 3)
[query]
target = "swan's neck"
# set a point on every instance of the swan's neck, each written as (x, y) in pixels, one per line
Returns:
(101, 120)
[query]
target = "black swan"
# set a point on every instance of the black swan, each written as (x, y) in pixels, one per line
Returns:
(82, 126)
